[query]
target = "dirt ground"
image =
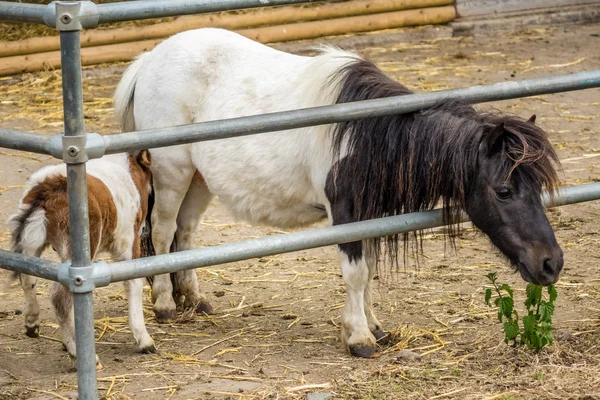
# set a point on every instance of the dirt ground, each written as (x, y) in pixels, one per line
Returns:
(275, 331)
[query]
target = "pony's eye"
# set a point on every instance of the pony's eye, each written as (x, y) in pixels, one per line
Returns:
(503, 193)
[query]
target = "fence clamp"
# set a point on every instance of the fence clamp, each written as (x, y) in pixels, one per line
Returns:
(84, 279)
(71, 15)
(77, 149)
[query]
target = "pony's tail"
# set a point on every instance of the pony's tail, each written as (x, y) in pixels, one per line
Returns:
(28, 230)
(123, 97)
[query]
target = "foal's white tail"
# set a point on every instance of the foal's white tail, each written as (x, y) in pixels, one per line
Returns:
(123, 98)
(28, 230)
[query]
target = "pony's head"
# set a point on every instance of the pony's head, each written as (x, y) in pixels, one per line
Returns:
(514, 162)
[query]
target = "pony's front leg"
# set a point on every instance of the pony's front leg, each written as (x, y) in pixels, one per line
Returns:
(372, 321)
(32, 309)
(356, 335)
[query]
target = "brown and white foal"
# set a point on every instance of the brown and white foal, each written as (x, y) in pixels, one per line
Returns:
(118, 189)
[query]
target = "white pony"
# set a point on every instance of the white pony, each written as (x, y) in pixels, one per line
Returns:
(347, 172)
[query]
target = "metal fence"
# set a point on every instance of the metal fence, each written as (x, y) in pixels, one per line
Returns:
(76, 146)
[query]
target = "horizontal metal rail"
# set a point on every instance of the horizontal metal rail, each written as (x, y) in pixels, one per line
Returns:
(345, 112)
(309, 239)
(22, 12)
(25, 141)
(143, 9)
(133, 10)
(276, 244)
(234, 127)
(29, 265)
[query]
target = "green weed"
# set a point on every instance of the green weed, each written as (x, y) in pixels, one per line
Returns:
(536, 330)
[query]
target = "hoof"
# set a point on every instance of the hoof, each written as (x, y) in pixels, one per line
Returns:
(364, 351)
(204, 307)
(165, 316)
(381, 337)
(148, 349)
(32, 331)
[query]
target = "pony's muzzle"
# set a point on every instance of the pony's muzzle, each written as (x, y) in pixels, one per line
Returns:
(543, 268)
(552, 268)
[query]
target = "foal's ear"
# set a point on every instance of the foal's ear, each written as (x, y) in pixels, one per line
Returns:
(492, 139)
(143, 158)
(531, 119)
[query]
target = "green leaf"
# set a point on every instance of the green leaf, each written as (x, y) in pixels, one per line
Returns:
(552, 293)
(529, 325)
(548, 338)
(506, 306)
(546, 326)
(508, 289)
(546, 311)
(488, 296)
(534, 295)
(492, 276)
(511, 330)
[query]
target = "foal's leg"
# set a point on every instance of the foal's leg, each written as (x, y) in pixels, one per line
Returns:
(172, 173)
(62, 301)
(135, 293)
(32, 309)
(196, 201)
(62, 298)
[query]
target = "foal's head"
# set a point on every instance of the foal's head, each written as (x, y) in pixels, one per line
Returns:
(515, 161)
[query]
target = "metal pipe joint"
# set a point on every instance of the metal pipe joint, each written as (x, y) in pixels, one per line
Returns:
(77, 149)
(71, 15)
(84, 279)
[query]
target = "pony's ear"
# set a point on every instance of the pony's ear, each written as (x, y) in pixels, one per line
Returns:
(492, 139)
(143, 158)
(531, 119)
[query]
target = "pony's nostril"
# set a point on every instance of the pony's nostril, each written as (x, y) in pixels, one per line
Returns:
(549, 267)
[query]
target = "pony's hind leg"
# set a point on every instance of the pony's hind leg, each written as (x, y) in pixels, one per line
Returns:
(172, 177)
(32, 309)
(196, 201)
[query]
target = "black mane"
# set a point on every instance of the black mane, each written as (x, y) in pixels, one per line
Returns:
(410, 162)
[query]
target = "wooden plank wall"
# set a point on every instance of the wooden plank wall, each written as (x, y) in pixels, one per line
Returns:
(468, 8)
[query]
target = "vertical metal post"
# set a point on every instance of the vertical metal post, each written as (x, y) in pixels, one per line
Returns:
(69, 27)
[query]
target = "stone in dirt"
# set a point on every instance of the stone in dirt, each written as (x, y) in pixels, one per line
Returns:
(407, 355)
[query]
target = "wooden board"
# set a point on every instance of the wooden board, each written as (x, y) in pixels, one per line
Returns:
(467, 8)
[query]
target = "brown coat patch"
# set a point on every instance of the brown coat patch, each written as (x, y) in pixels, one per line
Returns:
(51, 196)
